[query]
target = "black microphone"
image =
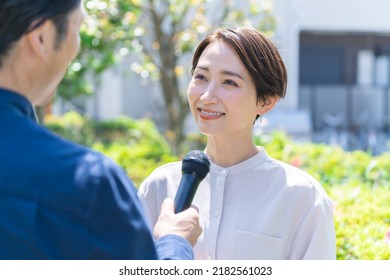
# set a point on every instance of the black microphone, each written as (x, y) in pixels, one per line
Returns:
(195, 166)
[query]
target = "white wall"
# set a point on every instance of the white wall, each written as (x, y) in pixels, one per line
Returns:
(344, 15)
(122, 92)
(106, 102)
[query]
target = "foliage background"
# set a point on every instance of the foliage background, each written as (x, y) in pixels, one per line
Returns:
(357, 182)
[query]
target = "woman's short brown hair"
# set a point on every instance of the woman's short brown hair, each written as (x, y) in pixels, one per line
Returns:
(259, 55)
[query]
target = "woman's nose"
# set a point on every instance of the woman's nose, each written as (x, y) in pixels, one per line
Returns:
(210, 95)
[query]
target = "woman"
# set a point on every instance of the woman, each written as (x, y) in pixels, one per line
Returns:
(251, 206)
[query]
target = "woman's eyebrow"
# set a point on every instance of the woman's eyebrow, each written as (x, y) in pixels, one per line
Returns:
(231, 73)
(225, 72)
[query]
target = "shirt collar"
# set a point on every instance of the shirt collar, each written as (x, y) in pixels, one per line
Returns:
(12, 101)
(250, 163)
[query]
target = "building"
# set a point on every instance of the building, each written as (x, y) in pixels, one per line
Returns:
(338, 55)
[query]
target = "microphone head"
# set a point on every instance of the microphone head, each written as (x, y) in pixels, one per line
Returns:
(196, 162)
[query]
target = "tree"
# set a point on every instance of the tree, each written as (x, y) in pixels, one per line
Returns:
(167, 30)
(106, 35)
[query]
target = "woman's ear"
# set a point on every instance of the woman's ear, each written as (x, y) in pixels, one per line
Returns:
(267, 105)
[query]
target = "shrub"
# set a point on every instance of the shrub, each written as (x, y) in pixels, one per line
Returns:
(362, 220)
(71, 126)
(138, 159)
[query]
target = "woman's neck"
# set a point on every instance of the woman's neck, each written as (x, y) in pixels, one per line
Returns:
(230, 153)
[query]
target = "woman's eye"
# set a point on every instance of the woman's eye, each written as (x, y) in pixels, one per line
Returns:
(231, 83)
(200, 77)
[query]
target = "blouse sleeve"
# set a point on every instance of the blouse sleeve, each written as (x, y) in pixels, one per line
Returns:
(316, 238)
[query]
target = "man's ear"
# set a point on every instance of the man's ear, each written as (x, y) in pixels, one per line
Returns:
(39, 40)
(267, 105)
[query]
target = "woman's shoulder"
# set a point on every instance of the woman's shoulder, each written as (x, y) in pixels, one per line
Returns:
(297, 178)
(163, 173)
(167, 168)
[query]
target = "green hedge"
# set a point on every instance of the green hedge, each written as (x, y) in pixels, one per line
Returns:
(358, 183)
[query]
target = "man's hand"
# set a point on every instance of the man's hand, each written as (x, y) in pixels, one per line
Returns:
(184, 224)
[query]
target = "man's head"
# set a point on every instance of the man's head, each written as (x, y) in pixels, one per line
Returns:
(38, 40)
(19, 17)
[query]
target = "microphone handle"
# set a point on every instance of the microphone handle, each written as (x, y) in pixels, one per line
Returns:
(186, 191)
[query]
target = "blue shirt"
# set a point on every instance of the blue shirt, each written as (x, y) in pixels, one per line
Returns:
(60, 200)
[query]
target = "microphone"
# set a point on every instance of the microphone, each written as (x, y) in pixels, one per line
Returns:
(195, 166)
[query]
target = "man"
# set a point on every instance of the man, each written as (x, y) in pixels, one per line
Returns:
(59, 200)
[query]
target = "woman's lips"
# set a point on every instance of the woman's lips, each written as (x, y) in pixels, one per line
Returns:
(209, 114)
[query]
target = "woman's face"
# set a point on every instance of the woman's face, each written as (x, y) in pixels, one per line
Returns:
(222, 94)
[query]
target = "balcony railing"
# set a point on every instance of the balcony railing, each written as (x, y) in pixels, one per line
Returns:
(353, 117)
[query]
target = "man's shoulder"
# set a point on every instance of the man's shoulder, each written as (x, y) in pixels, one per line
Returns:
(85, 163)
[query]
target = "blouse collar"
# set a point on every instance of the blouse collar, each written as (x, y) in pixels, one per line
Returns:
(245, 165)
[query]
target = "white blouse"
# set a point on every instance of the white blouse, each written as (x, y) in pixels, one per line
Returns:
(260, 208)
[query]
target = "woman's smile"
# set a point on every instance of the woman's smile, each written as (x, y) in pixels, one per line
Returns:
(205, 114)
